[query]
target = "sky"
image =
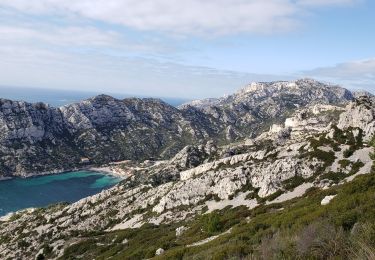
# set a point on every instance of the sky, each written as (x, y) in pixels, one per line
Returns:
(184, 48)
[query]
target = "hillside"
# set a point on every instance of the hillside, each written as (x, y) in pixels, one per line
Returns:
(38, 138)
(301, 189)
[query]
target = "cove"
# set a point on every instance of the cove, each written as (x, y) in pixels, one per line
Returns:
(41, 191)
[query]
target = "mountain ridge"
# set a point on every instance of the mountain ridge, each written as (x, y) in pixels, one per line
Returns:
(105, 129)
(313, 168)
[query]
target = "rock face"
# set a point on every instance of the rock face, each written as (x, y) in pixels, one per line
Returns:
(37, 138)
(360, 114)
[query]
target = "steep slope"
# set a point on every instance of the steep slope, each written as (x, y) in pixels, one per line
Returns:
(247, 112)
(263, 176)
(37, 138)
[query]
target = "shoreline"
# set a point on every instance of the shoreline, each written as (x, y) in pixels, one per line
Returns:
(107, 170)
(99, 169)
(5, 178)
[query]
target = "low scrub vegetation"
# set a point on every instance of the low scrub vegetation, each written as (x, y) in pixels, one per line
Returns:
(297, 229)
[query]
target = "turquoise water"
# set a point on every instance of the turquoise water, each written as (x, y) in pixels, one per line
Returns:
(17, 193)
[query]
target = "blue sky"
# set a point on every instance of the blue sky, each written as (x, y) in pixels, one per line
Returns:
(185, 48)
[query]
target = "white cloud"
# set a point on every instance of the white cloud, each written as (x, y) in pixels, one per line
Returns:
(184, 16)
(84, 36)
(43, 68)
(73, 37)
(354, 74)
(59, 53)
(327, 2)
(363, 68)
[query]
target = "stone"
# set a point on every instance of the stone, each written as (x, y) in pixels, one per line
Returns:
(327, 200)
(160, 251)
(180, 230)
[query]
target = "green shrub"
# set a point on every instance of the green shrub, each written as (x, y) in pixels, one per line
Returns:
(23, 244)
(293, 182)
(327, 157)
(347, 220)
(211, 223)
(336, 177)
(356, 167)
(40, 257)
(14, 217)
(297, 229)
(344, 163)
(349, 152)
(271, 197)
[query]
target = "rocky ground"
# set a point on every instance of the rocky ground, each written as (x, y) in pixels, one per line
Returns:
(319, 145)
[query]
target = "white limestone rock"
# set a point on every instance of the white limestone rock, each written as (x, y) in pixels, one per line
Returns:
(327, 200)
(160, 251)
(360, 113)
(180, 230)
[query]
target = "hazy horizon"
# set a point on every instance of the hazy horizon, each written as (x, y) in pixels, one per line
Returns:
(61, 97)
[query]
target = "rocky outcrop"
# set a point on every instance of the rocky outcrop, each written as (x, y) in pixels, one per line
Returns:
(361, 114)
(362, 93)
(192, 156)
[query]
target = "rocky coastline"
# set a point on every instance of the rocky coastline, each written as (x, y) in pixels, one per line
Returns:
(305, 160)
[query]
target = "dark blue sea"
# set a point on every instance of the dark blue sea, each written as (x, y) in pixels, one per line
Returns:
(59, 98)
(21, 193)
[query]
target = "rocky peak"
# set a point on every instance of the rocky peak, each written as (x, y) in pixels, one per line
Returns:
(244, 113)
(201, 103)
(102, 98)
(299, 92)
(362, 93)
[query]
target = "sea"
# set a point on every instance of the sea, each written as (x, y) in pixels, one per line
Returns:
(41, 191)
(59, 98)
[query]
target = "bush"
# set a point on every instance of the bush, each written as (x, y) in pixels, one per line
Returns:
(320, 240)
(344, 163)
(347, 220)
(327, 157)
(336, 177)
(40, 257)
(293, 182)
(211, 223)
(270, 197)
(349, 152)
(363, 241)
(356, 167)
